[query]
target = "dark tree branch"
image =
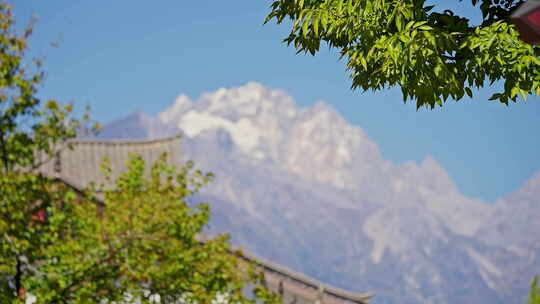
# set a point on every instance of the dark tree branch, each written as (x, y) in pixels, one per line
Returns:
(3, 146)
(18, 276)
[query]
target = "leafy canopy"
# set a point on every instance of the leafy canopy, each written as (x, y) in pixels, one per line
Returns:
(138, 241)
(430, 55)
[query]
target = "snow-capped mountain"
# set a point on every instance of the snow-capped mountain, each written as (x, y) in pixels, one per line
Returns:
(303, 187)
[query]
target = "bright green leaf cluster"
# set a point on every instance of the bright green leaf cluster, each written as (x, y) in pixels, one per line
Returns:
(431, 56)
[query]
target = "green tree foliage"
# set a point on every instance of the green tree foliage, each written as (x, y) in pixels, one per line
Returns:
(134, 238)
(534, 295)
(430, 55)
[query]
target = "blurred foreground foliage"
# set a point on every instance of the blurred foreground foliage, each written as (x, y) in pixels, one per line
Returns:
(136, 239)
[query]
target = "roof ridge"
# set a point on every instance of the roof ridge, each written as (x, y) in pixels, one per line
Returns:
(118, 142)
(300, 277)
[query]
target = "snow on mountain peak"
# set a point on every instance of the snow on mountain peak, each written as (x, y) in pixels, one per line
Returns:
(251, 114)
(250, 99)
(181, 103)
(315, 142)
(243, 132)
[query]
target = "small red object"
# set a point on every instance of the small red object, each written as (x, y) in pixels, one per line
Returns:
(40, 216)
(527, 20)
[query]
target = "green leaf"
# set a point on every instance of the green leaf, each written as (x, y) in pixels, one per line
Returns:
(363, 62)
(305, 28)
(514, 91)
(399, 24)
(316, 26)
(324, 21)
(469, 92)
(404, 38)
(495, 96)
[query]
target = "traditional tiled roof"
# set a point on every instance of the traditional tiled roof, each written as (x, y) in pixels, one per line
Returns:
(79, 166)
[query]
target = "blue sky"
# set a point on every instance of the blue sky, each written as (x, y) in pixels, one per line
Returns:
(121, 56)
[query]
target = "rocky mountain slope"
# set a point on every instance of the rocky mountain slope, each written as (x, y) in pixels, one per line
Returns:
(302, 187)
